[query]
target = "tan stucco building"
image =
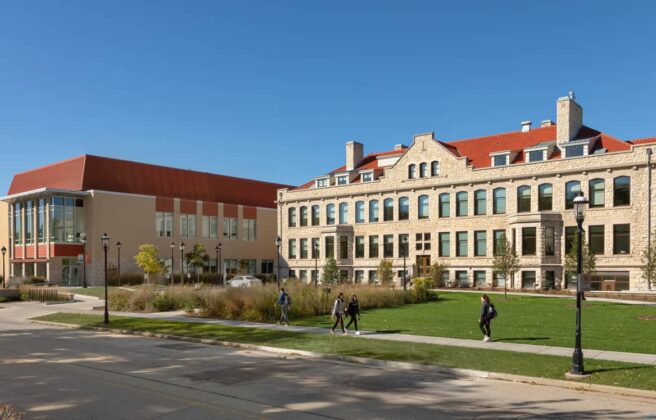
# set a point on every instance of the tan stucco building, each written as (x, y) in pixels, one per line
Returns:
(49, 211)
(451, 201)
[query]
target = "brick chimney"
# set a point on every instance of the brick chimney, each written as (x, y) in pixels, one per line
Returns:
(569, 118)
(354, 154)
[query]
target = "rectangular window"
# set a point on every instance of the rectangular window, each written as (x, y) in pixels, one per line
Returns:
(304, 216)
(302, 276)
(343, 276)
(528, 279)
(359, 276)
(597, 192)
(545, 197)
(388, 246)
(343, 247)
(570, 237)
(323, 182)
(528, 240)
(373, 211)
(330, 246)
(29, 223)
(480, 238)
(342, 180)
(373, 276)
(315, 215)
(315, 247)
(461, 244)
(523, 199)
(304, 248)
(574, 151)
(462, 279)
(367, 177)
(499, 239)
(230, 228)
(445, 205)
(404, 208)
(479, 279)
(622, 239)
(66, 220)
(388, 210)
(373, 246)
(249, 230)
(404, 244)
(292, 248)
(164, 224)
(359, 212)
(536, 155)
(267, 267)
(597, 239)
(480, 203)
(549, 241)
(499, 201)
(445, 244)
(500, 160)
(40, 220)
(462, 204)
(209, 227)
(359, 247)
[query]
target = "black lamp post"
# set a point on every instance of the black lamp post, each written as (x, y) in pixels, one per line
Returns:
(316, 264)
(278, 243)
(4, 277)
(105, 244)
(182, 248)
(83, 239)
(118, 268)
(580, 202)
(405, 254)
(172, 264)
(218, 262)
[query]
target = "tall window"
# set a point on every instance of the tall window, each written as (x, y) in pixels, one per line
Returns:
(445, 205)
(444, 244)
(404, 245)
(359, 247)
(164, 224)
(572, 189)
(388, 209)
(249, 229)
(597, 239)
(622, 191)
(422, 207)
(423, 170)
(29, 222)
(66, 219)
(291, 249)
(523, 199)
(499, 201)
(480, 238)
(499, 237)
(545, 197)
(40, 220)
(304, 216)
(291, 217)
(528, 240)
(373, 246)
(330, 246)
(359, 212)
(549, 241)
(480, 202)
(343, 213)
(209, 227)
(435, 168)
(315, 215)
(461, 244)
(304, 248)
(462, 203)
(18, 224)
(373, 211)
(188, 225)
(315, 247)
(570, 237)
(230, 228)
(597, 193)
(330, 214)
(404, 208)
(412, 171)
(622, 239)
(388, 246)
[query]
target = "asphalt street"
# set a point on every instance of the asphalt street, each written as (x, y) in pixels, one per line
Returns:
(48, 372)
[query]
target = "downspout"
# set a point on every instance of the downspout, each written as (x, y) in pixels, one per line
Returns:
(649, 153)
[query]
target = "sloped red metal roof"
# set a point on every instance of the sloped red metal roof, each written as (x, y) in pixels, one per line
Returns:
(90, 172)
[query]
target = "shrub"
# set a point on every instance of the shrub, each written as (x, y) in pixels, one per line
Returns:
(151, 299)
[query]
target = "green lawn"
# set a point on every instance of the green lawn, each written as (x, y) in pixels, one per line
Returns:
(603, 372)
(521, 319)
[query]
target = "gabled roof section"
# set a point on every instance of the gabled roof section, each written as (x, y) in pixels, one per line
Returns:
(90, 172)
(643, 141)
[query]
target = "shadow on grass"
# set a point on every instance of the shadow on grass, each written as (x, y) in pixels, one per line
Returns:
(524, 339)
(625, 369)
(389, 331)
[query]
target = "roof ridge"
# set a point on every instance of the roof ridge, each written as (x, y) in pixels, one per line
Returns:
(38, 168)
(497, 135)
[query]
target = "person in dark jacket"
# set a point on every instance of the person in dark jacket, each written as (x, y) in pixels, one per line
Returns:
(353, 311)
(485, 320)
(338, 314)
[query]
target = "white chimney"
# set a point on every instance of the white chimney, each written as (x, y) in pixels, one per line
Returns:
(569, 118)
(400, 146)
(546, 123)
(526, 126)
(354, 154)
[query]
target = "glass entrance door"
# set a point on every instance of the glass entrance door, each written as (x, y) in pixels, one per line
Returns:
(70, 272)
(423, 265)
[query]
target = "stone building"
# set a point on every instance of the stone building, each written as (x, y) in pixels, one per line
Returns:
(452, 201)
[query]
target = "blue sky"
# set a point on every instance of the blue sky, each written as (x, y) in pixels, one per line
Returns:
(273, 89)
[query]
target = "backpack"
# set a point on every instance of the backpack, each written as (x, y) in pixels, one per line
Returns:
(289, 300)
(491, 312)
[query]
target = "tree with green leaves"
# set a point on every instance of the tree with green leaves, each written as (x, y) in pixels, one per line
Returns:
(648, 267)
(506, 262)
(330, 272)
(588, 260)
(436, 272)
(148, 260)
(385, 272)
(196, 258)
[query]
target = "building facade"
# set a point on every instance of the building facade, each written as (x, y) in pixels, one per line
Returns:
(452, 202)
(54, 217)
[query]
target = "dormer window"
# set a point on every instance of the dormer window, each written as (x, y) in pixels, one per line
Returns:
(576, 150)
(535, 155)
(367, 176)
(322, 182)
(342, 180)
(500, 159)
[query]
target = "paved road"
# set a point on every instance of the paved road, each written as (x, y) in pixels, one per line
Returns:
(69, 374)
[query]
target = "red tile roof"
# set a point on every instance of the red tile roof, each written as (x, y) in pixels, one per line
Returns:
(100, 173)
(643, 141)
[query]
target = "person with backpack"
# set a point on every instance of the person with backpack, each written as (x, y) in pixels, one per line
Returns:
(488, 312)
(337, 314)
(285, 302)
(353, 311)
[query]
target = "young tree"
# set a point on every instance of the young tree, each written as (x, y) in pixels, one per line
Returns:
(196, 258)
(385, 273)
(506, 262)
(436, 272)
(330, 272)
(649, 263)
(588, 260)
(148, 259)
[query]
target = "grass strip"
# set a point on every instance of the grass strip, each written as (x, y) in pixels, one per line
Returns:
(630, 375)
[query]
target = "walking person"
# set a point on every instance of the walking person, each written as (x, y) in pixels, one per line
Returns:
(487, 313)
(285, 302)
(353, 311)
(338, 314)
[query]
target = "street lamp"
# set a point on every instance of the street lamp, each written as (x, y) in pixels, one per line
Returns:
(315, 249)
(405, 254)
(218, 262)
(4, 278)
(105, 245)
(172, 264)
(580, 203)
(83, 238)
(182, 248)
(278, 243)
(118, 268)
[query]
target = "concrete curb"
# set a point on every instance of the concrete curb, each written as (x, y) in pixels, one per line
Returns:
(379, 363)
